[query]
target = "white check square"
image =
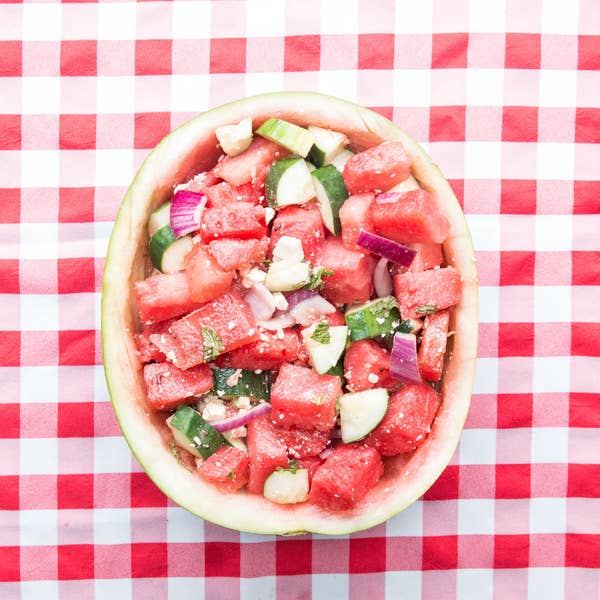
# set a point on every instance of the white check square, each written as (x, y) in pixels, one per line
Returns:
(555, 19)
(192, 588)
(40, 95)
(39, 168)
(489, 304)
(553, 233)
(414, 17)
(407, 523)
(111, 455)
(486, 376)
(485, 231)
(107, 589)
(189, 93)
(475, 517)
(485, 87)
(339, 17)
(402, 584)
(549, 445)
(191, 20)
(112, 526)
(552, 304)
(183, 526)
(39, 312)
(35, 590)
(258, 587)
(39, 384)
(558, 88)
(547, 583)
(547, 515)
(115, 95)
(474, 584)
(551, 374)
(483, 160)
(477, 447)
(324, 584)
(412, 87)
(114, 167)
(42, 22)
(116, 21)
(487, 17)
(555, 161)
(38, 527)
(38, 456)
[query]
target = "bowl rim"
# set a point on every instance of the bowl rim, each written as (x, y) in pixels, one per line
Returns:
(176, 157)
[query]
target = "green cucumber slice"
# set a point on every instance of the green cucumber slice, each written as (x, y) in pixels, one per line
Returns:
(285, 276)
(234, 139)
(328, 144)
(296, 139)
(287, 486)
(338, 370)
(374, 318)
(159, 218)
(193, 433)
(324, 351)
(233, 383)
(168, 252)
(331, 194)
(289, 182)
(361, 412)
(339, 162)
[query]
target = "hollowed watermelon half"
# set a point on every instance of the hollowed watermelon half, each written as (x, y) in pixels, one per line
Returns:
(190, 149)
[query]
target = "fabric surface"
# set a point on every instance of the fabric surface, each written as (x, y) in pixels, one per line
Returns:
(503, 94)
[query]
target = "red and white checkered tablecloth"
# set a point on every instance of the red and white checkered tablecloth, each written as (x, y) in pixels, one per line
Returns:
(505, 95)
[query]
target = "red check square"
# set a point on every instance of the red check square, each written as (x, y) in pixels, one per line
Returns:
(76, 347)
(587, 125)
(302, 53)
(76, 561)
(10, 132)
(583, 410)
(513, 481)
(588, 57)
(515, 339)
(149, 560)
(515, 410)
(585, 267)
(10, 419)
(10, 205)
(150, 128)
(153, 57)
(9, 563)
(520, 124)
(523, 51)
(511, 551)
(585, 339)
(222, 559)
(76, 275)
(75, 419)
(9, 276)
(11, 63)
(293, 557)
(228, 55)
(518, 196)
(517, 268)
(447, 123)
(78, 57)
(445, 487)
(583, 481)
(77, 132)
(440, 552)
(10, 349)
(582, 550)
(376, 51)
(9, 498)
(367, 555)
(75, 491)
(449, 50)
(76, 205)
(586, 197)
(144, 492)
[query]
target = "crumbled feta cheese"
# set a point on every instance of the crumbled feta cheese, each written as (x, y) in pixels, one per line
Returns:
(243, 402)
(288, 249)
(373, 378)
(234, 378)
(238, 432)
(269, 214)
(214, 410)
(252, 277)
(280, 334)
(281, 302)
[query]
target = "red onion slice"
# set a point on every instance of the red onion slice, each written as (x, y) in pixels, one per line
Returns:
(186, 209)
(243, 419)
(261, 302)
(382, 280)
(299, 296)
(398, 253)
(404, 364)
(309, 310)
(326, 453)
(280, 320)
(388, 197)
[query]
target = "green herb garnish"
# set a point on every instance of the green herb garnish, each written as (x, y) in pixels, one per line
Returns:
(321, 333)
(426, 309)
(212, 343)
(316, 278)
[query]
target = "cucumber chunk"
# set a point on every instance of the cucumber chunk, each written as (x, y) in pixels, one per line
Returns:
(159, 218)
(296, 139)
(324, 345)
(234, 139)
(288, 249)
(287, 486)
(328, 144)
(339, 162)
(233, 383)
(331, 194)
(409, 184)
(289, 182)
(168, 252)
(374, 318)
(285, 276)
(361, 412)
(338, 370)
(193, 433)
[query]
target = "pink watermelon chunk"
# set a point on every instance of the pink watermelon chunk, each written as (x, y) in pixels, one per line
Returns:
(168, 386)
(377, 169)
(345, 477)
(428, 256)
(433, 345)
(227, 469)
(302, 398)
(367, 365)
(163, 297)
(355, 215)
(243, 168)
(352, 279)
(427, 291)
(266, 452)
(411, 411)
(206, 279)
(240, 221)
(300, 443)
(413, 217)
(232, 254)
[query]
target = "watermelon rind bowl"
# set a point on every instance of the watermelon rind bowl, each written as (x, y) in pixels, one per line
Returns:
(193, 148)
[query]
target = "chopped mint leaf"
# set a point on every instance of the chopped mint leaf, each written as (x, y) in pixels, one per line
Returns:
(405, 326)
(316, 278)
(231, 475)
(382, 308)
(212, 343)
(292, 467)
(426, 309)
(321, 333)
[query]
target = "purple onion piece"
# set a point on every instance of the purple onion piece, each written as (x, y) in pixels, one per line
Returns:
(234, 422)
(299, 296)
(307, 311)
(186, 210)
(404, 364)
(382, 280)
(397, 253)
(280, 320)
(388, 197)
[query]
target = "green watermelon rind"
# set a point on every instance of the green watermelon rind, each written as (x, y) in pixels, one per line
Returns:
(193, 147)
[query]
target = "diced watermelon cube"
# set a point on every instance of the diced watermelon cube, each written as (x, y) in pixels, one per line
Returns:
(199, 183)
(352, 279)
(426, 291)
(163, 297)
(413, 217)
(367, 366)
(377, 169)
(240, 169)
(266, 452)
(303, 223)
(227, 469)
(311, 463)
(227, 322)
(168, 386)
(300, 443)
(433, 345)
(147, 351)
(344, 479)
(428, 256)
(206, 279)
(223, 194)
(241, 221)
(232, 254)
(270, 351)
(302, 398)
(333, 319)
(408, 420)
(258, 182)
(355, 215)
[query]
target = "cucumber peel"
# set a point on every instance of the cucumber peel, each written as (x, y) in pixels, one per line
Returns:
(331, 194)
(296, 139)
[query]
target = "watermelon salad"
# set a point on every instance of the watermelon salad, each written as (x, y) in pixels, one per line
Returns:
(295, 313)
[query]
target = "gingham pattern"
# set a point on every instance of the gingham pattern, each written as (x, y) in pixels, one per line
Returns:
(504, 94)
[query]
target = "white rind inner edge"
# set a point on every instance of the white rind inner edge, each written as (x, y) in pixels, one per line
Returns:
(188, 150)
